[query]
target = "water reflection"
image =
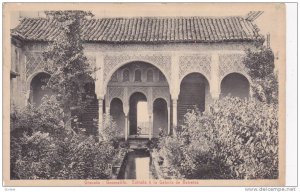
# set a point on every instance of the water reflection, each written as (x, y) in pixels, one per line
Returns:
(136, 165)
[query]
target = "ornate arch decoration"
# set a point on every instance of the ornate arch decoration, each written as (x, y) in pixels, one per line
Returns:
(125, 74)
(133, 90)
(161, 92)
(113, 63)
(34, 63)
(115, 92)
(195, 63)
(205, 76)
(232, 63)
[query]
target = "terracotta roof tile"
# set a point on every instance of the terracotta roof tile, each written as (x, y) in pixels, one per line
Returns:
(145, 29)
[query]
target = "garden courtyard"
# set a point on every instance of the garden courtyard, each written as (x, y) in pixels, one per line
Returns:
(89, 100)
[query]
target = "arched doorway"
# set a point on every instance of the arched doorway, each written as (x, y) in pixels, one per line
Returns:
(138, 114)
(117, 113)
(160, 116)
(194, 91)
(235, 85)
(38, 88)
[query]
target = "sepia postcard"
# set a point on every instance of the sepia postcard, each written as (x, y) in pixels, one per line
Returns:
(144, 94)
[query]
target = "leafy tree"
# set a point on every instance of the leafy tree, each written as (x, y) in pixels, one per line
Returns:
(69, 67)
(43, 148)
(260, 63)
(234, 139)
(42, 144)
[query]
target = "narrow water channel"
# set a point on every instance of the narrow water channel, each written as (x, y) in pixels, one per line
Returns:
(136, 165)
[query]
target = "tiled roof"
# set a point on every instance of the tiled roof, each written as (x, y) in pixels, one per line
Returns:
(146, 29)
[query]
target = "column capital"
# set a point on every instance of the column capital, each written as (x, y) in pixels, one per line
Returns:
(100, 97)
(126, 111)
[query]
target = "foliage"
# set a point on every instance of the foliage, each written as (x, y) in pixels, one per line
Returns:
(235, 139)
(266, 90)
(69, 67)
(109, 132)
(47, 149)
(44, 142)
(154, 142)
(43, 118)
(109, 129)
(260, 63)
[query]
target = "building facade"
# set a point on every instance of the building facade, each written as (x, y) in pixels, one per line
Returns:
(170, 64)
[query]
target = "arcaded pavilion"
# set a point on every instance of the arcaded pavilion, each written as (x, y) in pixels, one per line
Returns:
(151, 69)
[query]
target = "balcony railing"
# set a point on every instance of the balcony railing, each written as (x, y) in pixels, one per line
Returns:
(144, 128)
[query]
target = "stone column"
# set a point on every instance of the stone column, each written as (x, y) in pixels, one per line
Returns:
(126, 129)
(175, 86)
(169, 119)
(99, 89)
(150, 126)
(107, 107)
(100, 115)
(214, 76)
(174, 104)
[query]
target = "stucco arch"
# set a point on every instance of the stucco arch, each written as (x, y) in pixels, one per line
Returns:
(195, 72)
(116, 98)
(235, 84)
(29, 79)
(116, 67)
(238, 72)
(162, 98)
(112, 98)
(138, 92)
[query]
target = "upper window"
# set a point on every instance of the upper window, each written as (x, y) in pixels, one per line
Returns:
(138, 75)
(150, 76)
(125, 75)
